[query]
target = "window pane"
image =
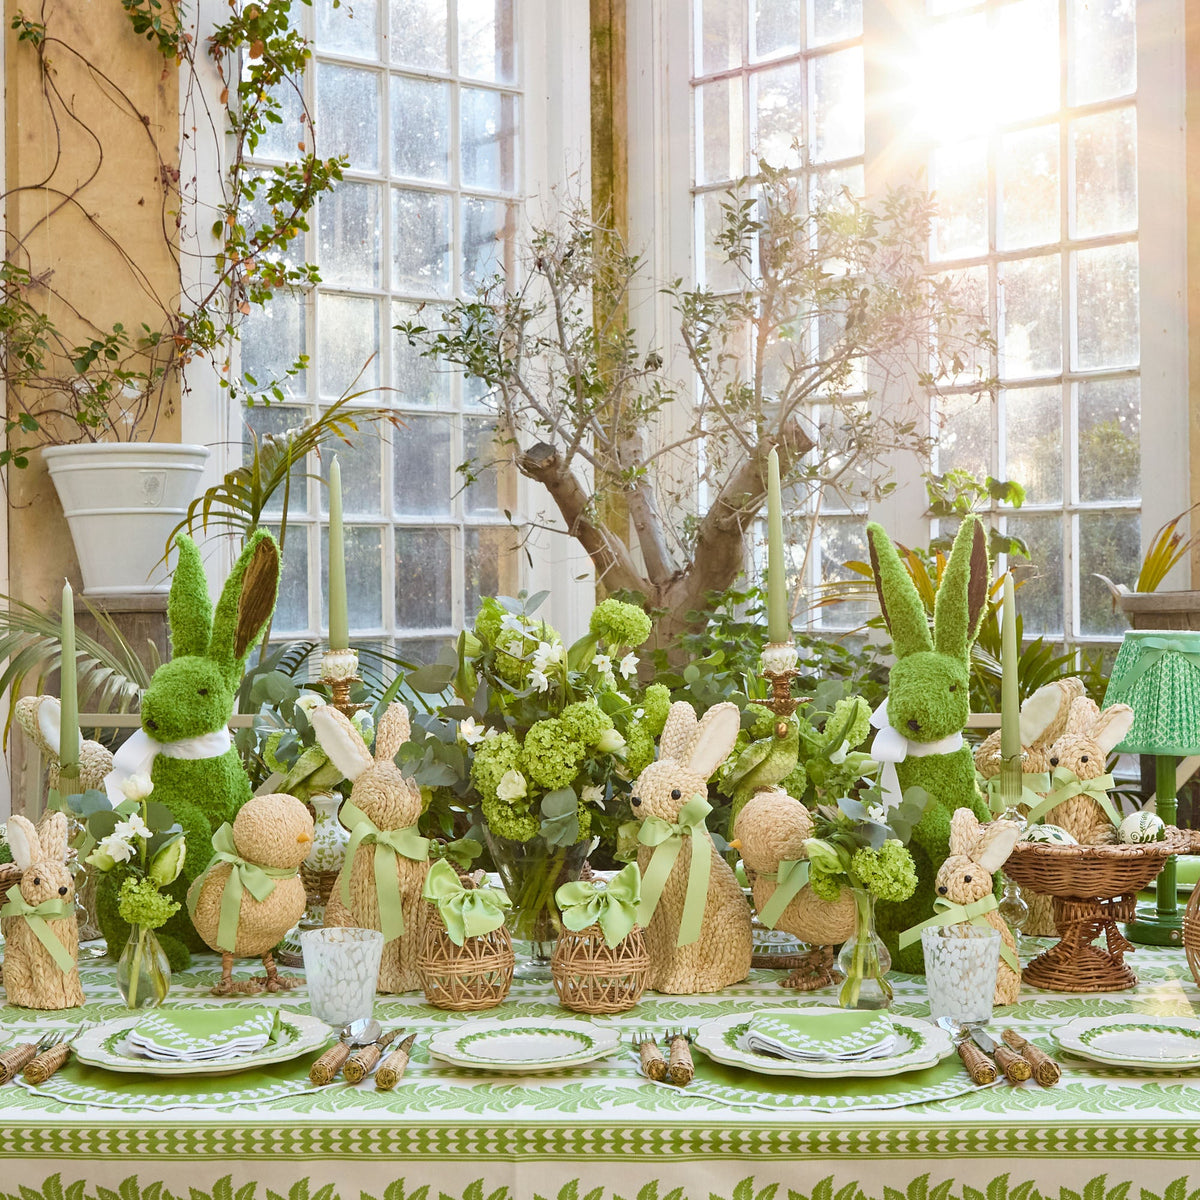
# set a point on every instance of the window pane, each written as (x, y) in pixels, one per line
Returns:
(1025, 60)
(419, 33)
(282, 141)
(291, 609)
(419, 381)
(348, 115)
(361, 460)
(719, 154)
(947, 88)
(1109, 544)
(482, 494)
(972, 290)
(273, 338)
(486, 241)
(1110, 453)
(420, 242)
(488, 139)
(1040, 598)
(1102, 62)
(485, 40)
(364, 576)
(349, 235)
(348, 29)
(714, 270)
(719, 38)
(1030, 317)
(423, 468)
(1105, 150)
(1106, 301)
(423, 579)
(837, 103)
(263, 421)
(347, 337)
(1028, 183)
(964, 435)
(833, 20)
(778, 109)
(959, 175)
(420, 128)
(777, 26)
(842, 540)
(1034, 442)
(490, 565)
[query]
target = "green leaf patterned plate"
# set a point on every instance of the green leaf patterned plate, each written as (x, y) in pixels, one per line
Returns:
(1134, 1040)
(918, 1045)
(523, 1045)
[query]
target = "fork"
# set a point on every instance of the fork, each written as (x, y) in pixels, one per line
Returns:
(680, 1070)
(654, 1066)
(13, 1059)
(50, 1059)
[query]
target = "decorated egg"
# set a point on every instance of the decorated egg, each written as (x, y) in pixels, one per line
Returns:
(1142, 827)
(1050, 835)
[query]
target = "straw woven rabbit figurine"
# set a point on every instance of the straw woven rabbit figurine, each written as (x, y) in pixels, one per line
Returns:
(1083, 750)
(668, 795)
(270, 837)
(976, 853)
(41, 948)
(771, 830)
(41, 717)
(380, 884)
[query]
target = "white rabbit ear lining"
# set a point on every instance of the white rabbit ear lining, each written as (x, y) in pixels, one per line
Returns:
(23, 842)
(1111, 727)
(998, 843)
(714, 739)
(1041, 710)
(341, 742)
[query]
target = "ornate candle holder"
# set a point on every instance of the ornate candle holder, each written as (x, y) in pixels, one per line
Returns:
(779, 669)
(339, 669)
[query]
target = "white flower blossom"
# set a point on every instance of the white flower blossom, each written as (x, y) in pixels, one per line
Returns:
(133, 827)
(611, 742)
(137, 787)
(839, 755)
(512, 786)
(116, 848)
(602, 663)
(593, 795)
(539, 681)
(878, 813)
(471, 731)
(547, 654)
(309, 702)
(628, 665)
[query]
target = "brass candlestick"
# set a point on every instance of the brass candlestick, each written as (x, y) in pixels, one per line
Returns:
(339, 669)
(779, 669)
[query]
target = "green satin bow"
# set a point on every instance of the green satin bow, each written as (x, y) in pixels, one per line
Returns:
(36, 915)
(1033, 786)
(388, 844)
(466, 912)
(791, 876)
(1067, 785)
(950, 913)
(259, 881)
(612, 906)
(1158, 648)
(667, 840)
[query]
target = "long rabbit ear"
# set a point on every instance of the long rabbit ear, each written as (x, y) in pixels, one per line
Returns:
(996, 844)
(27, 713)
(898, 598)
(52, 835)
(1041, 712)
(246, 604)
(714, 738)
(341, 741)
(1082, 716)
(678, 732)
(392, 733)
(962, 597)
(964, 831)
(189, 607)
(23, 842)
(1111, 726)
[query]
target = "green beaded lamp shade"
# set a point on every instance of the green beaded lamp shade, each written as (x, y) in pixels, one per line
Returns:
(1157, 673)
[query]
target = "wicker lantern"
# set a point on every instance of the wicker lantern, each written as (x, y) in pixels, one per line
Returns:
(592, 977)
(466, 978)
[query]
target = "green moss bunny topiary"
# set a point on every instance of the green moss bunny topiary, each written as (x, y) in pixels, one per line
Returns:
(184, 742)
(927, 706)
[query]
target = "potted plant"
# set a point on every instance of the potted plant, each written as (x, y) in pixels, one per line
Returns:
(1145, 607)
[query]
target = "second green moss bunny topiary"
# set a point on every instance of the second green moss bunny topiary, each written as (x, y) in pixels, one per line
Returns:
(928, 702)
(184, 743)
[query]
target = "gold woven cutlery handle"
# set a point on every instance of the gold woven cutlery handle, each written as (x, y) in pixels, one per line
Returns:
(41, 1068)
(358, 1065)
(328, 1065)
(653, 1063)
(1045, 1070)
(1015, 1067)
(392, 1070)
(681, 1069)
(11, 1061)
(978, 1065)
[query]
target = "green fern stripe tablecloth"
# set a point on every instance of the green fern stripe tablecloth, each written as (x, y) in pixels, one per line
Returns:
(601, 1132)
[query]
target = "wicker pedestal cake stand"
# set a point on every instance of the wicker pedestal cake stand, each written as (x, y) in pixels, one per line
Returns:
(1093, 888)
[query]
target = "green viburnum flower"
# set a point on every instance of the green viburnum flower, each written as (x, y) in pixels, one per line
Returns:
(795, 782)
(639, 747)
(825, 886)
(858, 712)
(887, 873)
(494, 757)
(656, 704)
(141, 903)
(585, 722)
(550, 755)
(764, 723)
(509, 820)
(488, 621)
(619, 624)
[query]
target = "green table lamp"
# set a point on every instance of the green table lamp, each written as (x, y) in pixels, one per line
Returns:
(1157, 673)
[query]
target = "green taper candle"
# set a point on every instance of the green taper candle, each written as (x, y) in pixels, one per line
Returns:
(68, 751)
(339, 617)
(779, 627)
(1010, 704)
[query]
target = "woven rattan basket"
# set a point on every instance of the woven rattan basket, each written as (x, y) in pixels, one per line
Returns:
(466, 978)
(318, 885)
(1093, 888)
(1191, 918)
(589, 977)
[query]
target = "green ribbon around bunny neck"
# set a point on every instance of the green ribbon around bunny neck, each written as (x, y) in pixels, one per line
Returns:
(1033, 786)
(258, 880)
(613, 905)
(36, 916)
(791, 876)
(667, 840)
(1068, 785)
(388, 843)
(466, 912)
(950, 913)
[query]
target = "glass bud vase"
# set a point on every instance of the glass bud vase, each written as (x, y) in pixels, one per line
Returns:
(143, 973)
(865, 960)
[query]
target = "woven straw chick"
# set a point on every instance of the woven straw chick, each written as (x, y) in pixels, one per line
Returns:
(32, 978)
(391, 802)
(689, 752)
(770, 829)
(1084, 748)
(40, 718)
(273, 831)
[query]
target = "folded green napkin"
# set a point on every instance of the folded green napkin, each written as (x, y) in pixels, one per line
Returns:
(202, 1034)
(805, 1036)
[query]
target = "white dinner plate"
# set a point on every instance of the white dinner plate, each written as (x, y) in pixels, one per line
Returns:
(1134, 1040)
(523, 1044)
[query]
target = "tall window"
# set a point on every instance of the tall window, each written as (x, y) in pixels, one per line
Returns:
(424, 97)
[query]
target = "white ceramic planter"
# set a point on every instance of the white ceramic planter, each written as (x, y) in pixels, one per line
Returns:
(121, 502)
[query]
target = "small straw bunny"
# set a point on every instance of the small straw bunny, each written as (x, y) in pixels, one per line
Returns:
(670, 800)
(1081, 753)
(380, 884)
(41, 936)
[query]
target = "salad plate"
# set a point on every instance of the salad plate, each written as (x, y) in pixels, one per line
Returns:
(523, 1044)
(918, 1045)
(1134, 1040)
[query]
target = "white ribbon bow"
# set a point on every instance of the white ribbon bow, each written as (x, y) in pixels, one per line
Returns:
(891, 747)
(136, 756)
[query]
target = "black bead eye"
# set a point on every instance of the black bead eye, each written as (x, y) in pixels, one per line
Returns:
(202, 691)
(1083, 758)
(966, 879)
(37, 882)
(676, 793)
(954, 687)
(635, 800)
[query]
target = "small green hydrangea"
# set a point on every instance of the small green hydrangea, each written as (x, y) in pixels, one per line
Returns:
(795, 782)
(639, 747)
(825, 886)
(585, 822)
(493, 757)
(887, 873)
(656, 704)
(141, 903)
(619, 624)
(488, 621)
(764, 722)
(550, 755)
(855, 710)
(585, 722)
(509, 820)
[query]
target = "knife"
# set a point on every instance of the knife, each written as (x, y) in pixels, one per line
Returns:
(1016, 1068)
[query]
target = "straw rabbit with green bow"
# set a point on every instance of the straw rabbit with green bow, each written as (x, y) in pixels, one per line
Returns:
(920, 724)
(695, 915)
(381, 882)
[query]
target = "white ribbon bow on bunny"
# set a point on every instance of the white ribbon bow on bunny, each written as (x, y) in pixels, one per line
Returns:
(891, 747)
(136, 756)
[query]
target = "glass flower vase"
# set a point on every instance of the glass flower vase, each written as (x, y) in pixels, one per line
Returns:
(531, 873)
(143, 973)
(864, 960)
